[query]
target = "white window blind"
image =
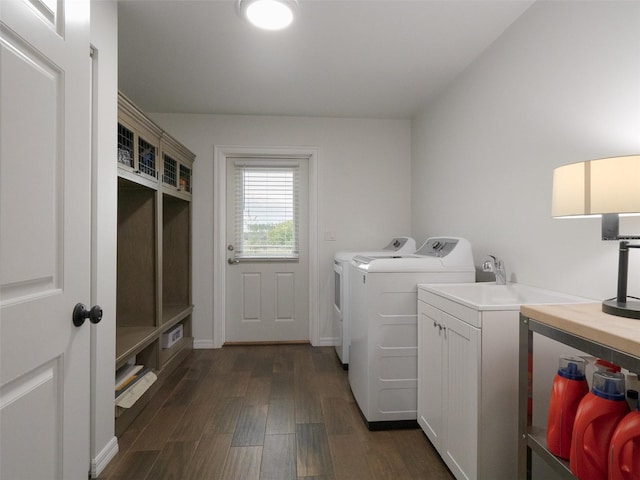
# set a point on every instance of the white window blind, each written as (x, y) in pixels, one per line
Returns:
(267, 206)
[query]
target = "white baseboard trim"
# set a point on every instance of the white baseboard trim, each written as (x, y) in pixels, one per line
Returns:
(202, 344)
(104, 457)
(208, 344)
(327, 342)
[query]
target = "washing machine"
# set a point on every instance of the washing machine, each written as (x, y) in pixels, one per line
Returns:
(342, 268)
(383, 366)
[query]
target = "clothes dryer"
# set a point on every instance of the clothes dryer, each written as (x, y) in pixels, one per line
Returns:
(383, 366)
(342, 269)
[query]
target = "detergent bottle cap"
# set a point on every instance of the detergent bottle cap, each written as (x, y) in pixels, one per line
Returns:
(572, 368)
(609, 385)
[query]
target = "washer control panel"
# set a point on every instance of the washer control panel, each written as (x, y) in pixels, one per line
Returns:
(401, 245)
(438, 247)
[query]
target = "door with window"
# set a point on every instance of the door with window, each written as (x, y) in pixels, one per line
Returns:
(45, 238)
(267, 271)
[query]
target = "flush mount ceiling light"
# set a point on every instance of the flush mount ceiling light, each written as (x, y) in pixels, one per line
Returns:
(268, 14)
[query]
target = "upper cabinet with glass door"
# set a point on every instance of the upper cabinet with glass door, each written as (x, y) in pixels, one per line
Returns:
(138, 144)
(177, 164)
(150, 156)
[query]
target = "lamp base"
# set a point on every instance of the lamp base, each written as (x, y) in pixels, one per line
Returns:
(628, 309)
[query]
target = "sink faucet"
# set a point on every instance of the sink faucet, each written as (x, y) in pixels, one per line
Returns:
(496, 266)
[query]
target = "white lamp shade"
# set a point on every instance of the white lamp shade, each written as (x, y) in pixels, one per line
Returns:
(615, 185)
(569, 190)
(608, 185)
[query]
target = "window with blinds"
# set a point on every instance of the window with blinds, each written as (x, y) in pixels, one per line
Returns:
(267, 206)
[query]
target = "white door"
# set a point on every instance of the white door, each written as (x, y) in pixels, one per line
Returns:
(461, 374)
(44, 238)
(430, 372)
(267, 269)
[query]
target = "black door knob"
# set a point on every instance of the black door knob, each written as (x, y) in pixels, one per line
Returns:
(80, 314)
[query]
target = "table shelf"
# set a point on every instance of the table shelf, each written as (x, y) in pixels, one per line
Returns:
(581, 326)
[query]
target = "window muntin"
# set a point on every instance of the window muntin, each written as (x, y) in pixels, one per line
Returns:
(267, 205)
(170, 171)
(146, 157)
(125, 146)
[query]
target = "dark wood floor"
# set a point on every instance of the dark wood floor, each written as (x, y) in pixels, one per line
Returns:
(269, 413)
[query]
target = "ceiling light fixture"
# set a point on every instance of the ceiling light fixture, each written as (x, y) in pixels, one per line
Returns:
(268, 14)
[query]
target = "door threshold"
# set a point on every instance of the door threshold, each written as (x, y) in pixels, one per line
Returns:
(267, 342)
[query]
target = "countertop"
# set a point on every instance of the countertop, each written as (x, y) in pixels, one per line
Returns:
(588, 321)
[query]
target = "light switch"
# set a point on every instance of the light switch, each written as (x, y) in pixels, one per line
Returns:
(330, 236)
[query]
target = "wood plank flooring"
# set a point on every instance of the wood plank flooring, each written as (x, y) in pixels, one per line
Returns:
(268, 412)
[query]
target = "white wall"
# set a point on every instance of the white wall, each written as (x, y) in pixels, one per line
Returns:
(103, 443)
(561, 85)
(363, 189)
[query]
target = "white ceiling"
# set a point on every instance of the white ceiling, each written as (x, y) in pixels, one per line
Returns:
(341, 58)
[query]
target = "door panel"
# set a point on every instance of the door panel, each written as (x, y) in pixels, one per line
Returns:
(251, 287)
(45, 208)
(431, 373)
(285, 297)
(462, 357)
(267, 300)
(40, 393)
(29, 82)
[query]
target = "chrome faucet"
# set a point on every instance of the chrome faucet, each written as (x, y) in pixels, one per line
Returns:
(496, 266)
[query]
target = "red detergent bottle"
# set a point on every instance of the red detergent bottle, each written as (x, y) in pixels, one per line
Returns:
(624, 451)
(598, 414)
(569, 387)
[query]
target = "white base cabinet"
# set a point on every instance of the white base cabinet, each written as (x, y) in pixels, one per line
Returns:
(467, 386)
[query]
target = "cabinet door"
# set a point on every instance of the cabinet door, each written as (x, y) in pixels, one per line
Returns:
(176, 171)
(138, 143)
(430, 388)
(461, 371)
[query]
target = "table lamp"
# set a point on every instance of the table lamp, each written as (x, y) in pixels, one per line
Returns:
(605, 187)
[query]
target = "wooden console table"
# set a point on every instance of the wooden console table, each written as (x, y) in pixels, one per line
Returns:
(581, 326)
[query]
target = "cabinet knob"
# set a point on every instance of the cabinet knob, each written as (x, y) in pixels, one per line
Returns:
(80, 314)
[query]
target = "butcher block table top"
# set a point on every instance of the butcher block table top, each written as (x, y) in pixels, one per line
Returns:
(587, 320)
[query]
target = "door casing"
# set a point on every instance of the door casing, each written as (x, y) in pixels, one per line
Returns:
(221, 153)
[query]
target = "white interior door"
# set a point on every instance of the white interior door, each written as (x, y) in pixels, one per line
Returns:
(267, 294)
(45, 208)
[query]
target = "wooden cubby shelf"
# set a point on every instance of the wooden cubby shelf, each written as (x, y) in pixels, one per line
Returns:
(154, 250)
(130, 340)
